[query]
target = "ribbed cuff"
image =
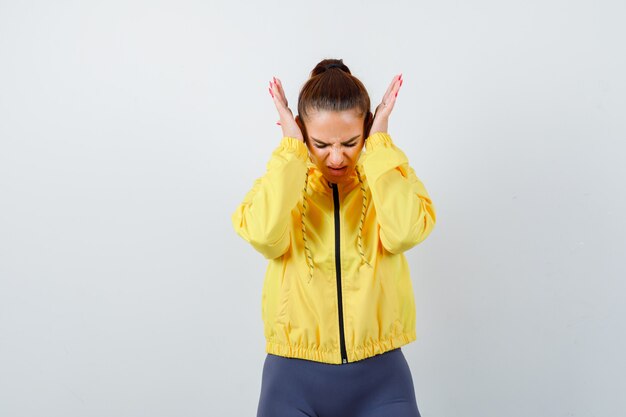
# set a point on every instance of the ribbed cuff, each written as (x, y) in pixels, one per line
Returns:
(295, 145)
(378, 139)
(381, 156)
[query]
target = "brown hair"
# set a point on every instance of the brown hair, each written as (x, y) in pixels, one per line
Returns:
(331, 86)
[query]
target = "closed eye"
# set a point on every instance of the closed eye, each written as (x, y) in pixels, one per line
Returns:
(349, 142)
(323, 146)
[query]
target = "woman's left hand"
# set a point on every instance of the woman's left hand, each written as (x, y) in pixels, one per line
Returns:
(383, 110)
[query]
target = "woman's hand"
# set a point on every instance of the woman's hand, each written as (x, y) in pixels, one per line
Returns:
(287, 122)
(383, 110)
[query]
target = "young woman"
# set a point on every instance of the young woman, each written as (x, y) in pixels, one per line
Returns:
(334, 223)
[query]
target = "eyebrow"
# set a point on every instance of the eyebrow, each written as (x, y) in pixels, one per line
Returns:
(343, 143)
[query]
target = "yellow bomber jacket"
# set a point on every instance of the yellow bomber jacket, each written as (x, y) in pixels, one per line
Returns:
(337, 287)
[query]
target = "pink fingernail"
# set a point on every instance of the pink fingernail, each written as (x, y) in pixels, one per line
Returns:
(396, 94)
(270, 90)
(278, 123)
(401, 83)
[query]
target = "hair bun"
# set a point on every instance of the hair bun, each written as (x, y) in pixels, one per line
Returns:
(328, 64)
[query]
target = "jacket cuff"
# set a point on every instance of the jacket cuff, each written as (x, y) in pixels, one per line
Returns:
(381, 156)
(377, 140)
(294, 145)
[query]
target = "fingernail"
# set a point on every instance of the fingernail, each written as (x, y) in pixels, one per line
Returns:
(396, 94)
(278, 123)
(272, 94)
(401, 83)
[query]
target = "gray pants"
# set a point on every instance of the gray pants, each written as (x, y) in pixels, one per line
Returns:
(378, 386)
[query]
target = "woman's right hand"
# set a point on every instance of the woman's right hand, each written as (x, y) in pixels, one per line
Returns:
(287, 121)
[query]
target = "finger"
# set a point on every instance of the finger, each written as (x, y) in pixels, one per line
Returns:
(389, 102)
(279, 84)
(391, 97)
(273, 90)
(283, 108)
(398, 85)
(278, 99)
(277, 93)
(391, 87)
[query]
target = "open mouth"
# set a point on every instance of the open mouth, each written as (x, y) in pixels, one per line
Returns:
(337, 171)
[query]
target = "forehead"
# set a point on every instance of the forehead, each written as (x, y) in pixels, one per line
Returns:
(330, 126)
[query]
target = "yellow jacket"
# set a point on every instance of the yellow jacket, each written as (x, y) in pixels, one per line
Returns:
(337, 287)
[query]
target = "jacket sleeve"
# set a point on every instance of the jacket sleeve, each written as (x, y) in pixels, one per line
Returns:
(263, 217)
(404, 210)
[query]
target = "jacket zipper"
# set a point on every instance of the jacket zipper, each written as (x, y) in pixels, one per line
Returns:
(342, 339)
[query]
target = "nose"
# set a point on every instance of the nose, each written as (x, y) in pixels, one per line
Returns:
(336, 158)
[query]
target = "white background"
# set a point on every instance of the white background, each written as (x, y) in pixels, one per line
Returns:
(130, 131)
